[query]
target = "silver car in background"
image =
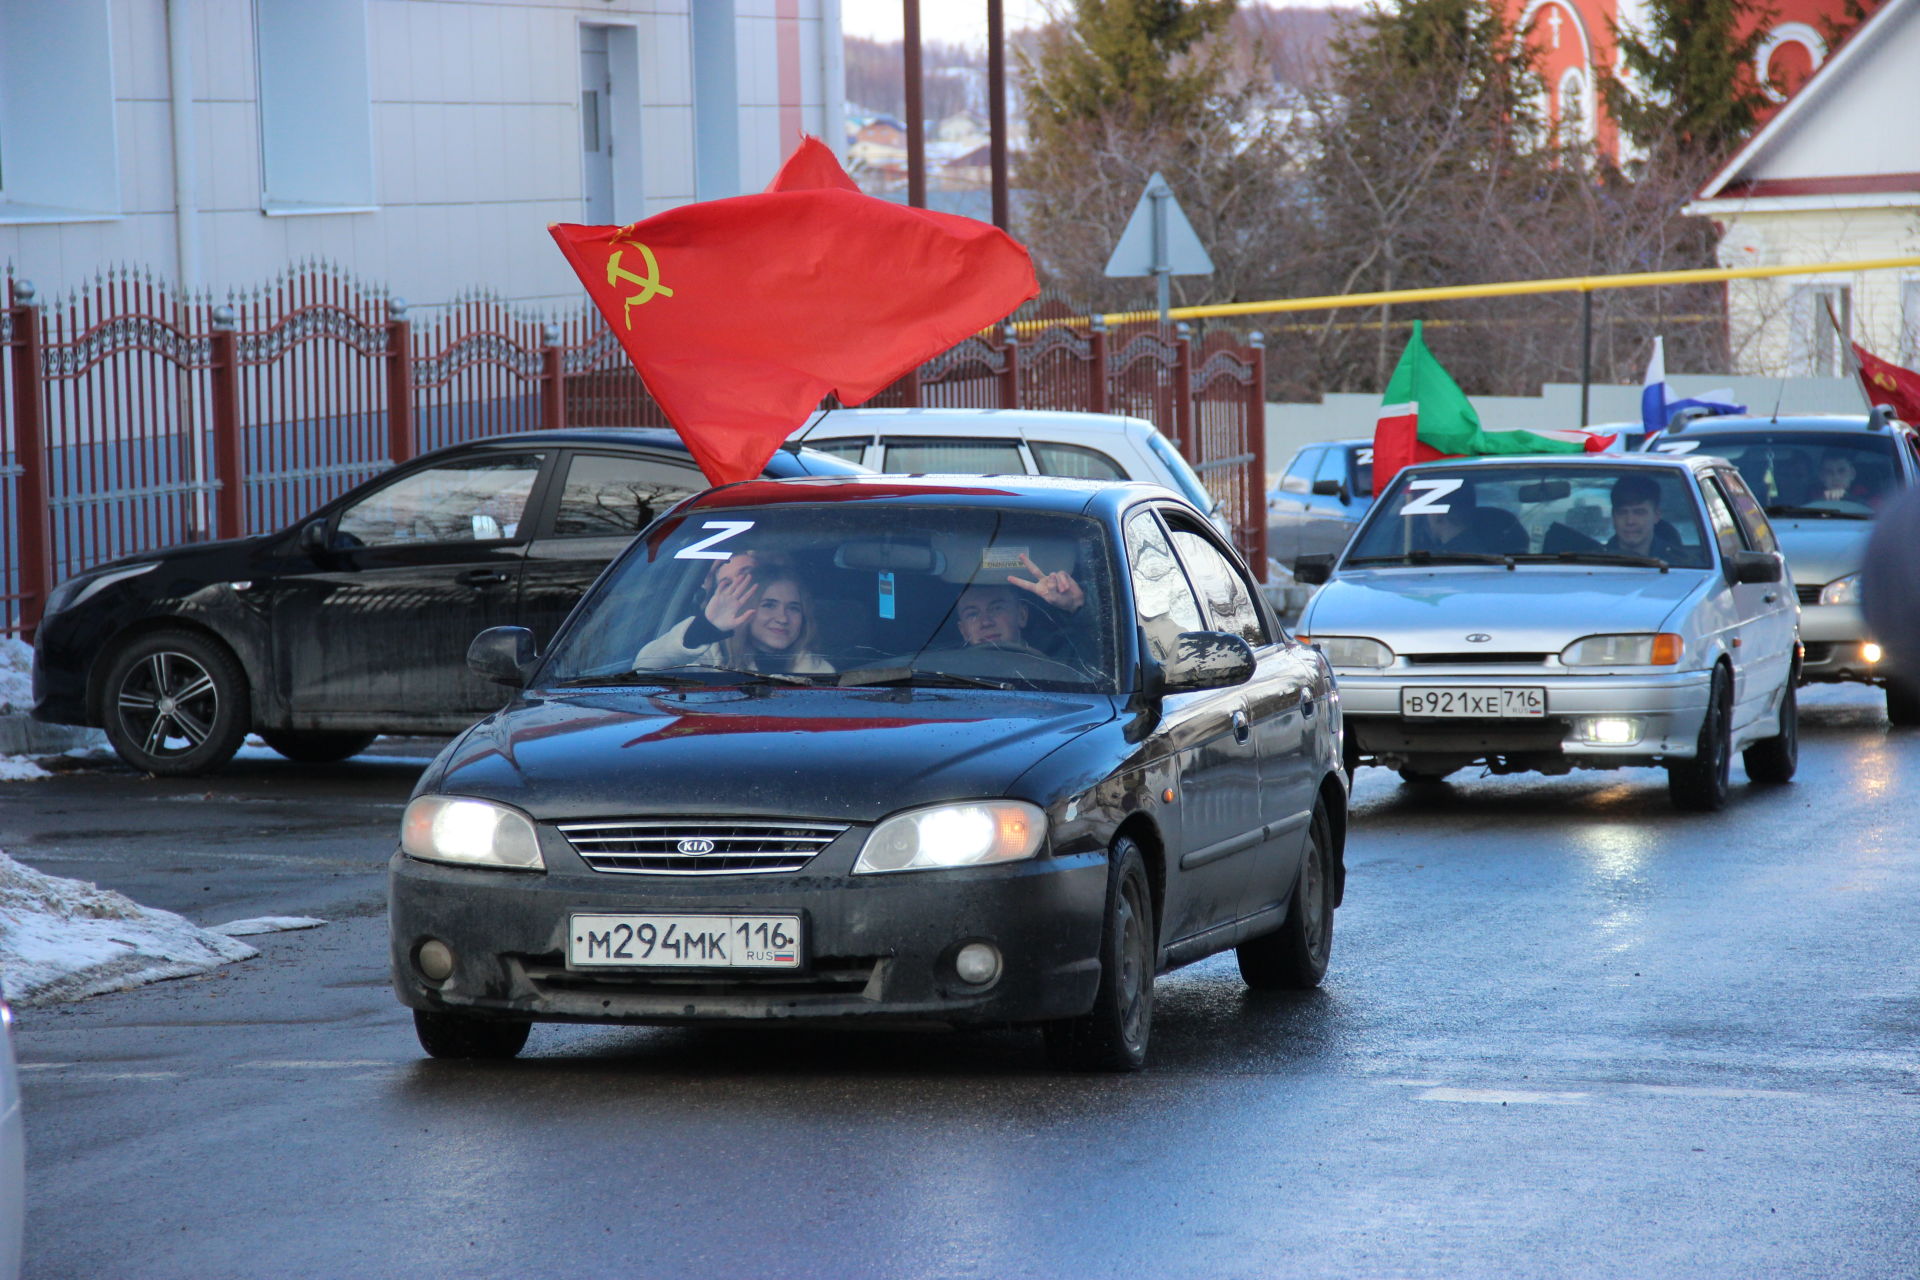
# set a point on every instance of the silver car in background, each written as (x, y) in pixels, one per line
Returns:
(1551, 613)
(1822, 480)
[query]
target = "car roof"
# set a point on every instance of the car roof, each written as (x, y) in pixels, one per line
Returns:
(1835, 422)
(1062, 494)
(1670, 461)
(664, 439)
(1002, 423)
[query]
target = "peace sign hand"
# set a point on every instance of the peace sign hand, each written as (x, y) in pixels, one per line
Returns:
(731, 604)
(1057, 589)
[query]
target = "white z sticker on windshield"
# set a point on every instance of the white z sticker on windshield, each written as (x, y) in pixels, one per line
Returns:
(1676, 446)
(700, 551)
(1429, 492)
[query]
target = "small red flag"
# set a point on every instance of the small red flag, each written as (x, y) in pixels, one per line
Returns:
(741, 314)
(1889, 384)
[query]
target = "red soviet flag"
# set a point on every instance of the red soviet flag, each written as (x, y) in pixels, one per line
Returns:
(741, 314)
(1889, 384)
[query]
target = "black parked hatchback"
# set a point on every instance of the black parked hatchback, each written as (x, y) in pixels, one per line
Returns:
(953, 749)
(356, 621)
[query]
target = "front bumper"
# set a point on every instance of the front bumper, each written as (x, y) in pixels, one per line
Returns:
(875, 946)
(1664, 713)
(1836, 642)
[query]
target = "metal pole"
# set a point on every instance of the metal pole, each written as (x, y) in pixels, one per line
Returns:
(916, 109)
(997, 106)
(1162, 269)
(1586, 351)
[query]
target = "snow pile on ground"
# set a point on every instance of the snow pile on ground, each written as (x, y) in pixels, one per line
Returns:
(20, 769)
(65, 939)
(16, 675)
(264, 924)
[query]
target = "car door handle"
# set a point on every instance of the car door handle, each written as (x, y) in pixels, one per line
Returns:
(1241, 728)
(483, 577)
(1306, 706)
(1770, 597)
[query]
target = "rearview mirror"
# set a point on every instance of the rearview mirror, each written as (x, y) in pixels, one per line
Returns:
(502, 655)
(1546, 491)
(1330, 489)
(1754, 566)
(1206, 660)
(1312, 570)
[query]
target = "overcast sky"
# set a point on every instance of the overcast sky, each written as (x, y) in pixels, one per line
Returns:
(965, 21)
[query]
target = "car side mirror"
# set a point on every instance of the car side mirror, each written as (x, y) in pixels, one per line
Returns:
(1331, 489)
(313, 537)
(1206, 660)
(1312, 570)
(1754, 566)
(502, 655)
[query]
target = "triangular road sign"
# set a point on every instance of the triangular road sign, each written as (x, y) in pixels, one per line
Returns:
(1175, 250)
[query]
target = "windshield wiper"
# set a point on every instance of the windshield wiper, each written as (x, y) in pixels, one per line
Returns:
(1599, 557)
(1823, 513)
(1435, 557)
(881, 677)
(685, 676)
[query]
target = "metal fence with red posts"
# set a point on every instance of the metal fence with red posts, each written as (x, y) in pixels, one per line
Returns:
(137, 416)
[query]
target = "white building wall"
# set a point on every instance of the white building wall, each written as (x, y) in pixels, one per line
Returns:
(476, 142)
(1769, 321)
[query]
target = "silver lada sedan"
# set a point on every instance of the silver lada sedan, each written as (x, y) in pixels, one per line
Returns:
(1551, 613)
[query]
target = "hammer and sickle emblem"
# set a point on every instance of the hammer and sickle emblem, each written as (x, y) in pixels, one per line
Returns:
(648, 280)
(1885, 380)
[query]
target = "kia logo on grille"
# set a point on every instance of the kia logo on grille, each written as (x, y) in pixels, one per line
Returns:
(1478, 637)
(695, 846)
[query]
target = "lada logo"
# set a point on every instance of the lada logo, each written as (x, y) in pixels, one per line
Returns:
(695, 845)
(1478, 637)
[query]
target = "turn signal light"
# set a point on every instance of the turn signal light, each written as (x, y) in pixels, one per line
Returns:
(1666, 649)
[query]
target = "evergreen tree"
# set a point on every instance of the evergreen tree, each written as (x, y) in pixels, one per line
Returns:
(1693, 92)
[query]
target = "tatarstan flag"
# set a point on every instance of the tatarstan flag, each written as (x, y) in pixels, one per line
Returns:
(1424, 415)
(740, 314)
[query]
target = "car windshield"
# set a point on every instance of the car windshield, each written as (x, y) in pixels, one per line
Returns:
(852, 593)
(1544, 513)
(1816, 474)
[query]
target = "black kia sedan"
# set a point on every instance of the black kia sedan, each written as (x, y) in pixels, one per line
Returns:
(960, 750)
(356, 621)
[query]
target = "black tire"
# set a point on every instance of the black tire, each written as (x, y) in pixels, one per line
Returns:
(1703, 783)
(1349, 755)
(175, 703)
(455, 1035)
(1113, 1036)
(1294, 957)
(1903, 704)
(316, 746)
(1772, 761)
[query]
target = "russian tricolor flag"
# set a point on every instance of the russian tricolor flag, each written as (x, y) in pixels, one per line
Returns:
(1657, 405)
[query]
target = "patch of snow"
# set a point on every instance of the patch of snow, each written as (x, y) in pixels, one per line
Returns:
(16, 675)
(264, 924)
(66, 939)
(20, 769)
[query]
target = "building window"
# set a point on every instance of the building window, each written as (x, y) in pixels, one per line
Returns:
(1822, 326)
(57, 141)
(316, 119)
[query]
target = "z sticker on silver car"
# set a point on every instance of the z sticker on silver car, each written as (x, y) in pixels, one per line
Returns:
(700, 550)
(1429, 493)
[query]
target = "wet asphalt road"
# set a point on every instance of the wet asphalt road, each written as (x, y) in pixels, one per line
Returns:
(1567, 1032)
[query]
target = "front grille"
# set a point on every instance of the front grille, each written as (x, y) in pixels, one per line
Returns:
(1477, 658)
(671, 847)
(1809, 594)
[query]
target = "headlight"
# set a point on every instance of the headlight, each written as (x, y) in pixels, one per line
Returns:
(1351, 651)
(1842, 590)
(1640, 649)
(77, 589)
(954, 835)
(474, 832)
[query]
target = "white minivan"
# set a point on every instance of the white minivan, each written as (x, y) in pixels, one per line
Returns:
(1038, 442)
